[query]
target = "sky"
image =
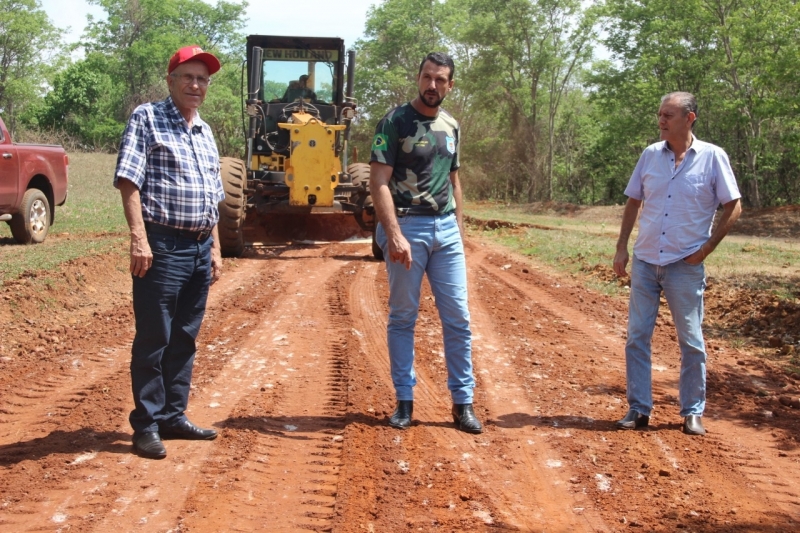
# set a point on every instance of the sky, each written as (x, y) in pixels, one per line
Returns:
(315, 18)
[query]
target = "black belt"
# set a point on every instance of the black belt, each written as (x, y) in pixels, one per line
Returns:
(415, 212)
(152, 227)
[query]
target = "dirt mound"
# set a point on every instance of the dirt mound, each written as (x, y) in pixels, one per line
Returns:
(761, 318)
(481, 224)
(781, 222)
(285, 228)
(47, 311)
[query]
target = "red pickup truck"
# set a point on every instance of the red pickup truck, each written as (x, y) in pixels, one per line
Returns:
(33, 179)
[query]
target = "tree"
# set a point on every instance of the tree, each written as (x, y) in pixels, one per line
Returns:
(81, 104)
(27, 42)
(524, 55)
(127, 57)
(139, 36)
(222, 109)
(734, 55)
(398, 34)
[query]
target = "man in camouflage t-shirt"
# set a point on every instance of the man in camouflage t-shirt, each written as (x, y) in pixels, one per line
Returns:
(417, 197)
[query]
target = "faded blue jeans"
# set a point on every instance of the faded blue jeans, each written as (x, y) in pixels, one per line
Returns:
(436, 250)
(683, 285)
(168, 304)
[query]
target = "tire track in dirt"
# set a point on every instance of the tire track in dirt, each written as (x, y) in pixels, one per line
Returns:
(504, 494)
(660, 464)
(296, 338)
(55, 395)
(422, 478)
(83, 447)
(538, 478)
(286, 434)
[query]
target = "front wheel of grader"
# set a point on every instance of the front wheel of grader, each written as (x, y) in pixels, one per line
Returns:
(231, 209)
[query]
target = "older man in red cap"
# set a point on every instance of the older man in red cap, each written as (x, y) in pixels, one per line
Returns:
(168, 173)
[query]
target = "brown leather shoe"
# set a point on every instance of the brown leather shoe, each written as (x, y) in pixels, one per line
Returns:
(149, 446)
(633, 420)
(693, 425)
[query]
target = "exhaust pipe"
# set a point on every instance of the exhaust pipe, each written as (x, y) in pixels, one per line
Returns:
(253, 87)
(348, 111)
(351, 70)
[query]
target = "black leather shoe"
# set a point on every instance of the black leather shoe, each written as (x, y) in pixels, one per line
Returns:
(401, 418)
(149, 446)
(693, 425)
(633, 420)
(187, 431)
(465, 419)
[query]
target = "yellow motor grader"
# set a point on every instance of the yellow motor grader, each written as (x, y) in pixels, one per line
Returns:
(295, 182)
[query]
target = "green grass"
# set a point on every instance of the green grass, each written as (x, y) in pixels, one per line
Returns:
(93, 205)
(587, 238)
(91, 222)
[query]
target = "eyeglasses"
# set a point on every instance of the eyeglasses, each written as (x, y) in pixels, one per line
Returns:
(188, 79)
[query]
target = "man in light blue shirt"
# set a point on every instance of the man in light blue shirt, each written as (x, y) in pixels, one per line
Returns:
(674, 192)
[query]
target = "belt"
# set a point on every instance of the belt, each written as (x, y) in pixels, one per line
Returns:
(152, 227)
(415, 212)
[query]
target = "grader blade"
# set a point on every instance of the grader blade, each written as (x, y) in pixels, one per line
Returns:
(282, 228)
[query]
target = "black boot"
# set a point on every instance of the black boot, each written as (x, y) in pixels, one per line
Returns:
(465, 419)
(633, 420)
(401, 418)
(693, 425)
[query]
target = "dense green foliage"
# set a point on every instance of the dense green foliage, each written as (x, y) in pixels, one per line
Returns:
(557, 98)
(89, 100)
(27, 42)
(739, 57)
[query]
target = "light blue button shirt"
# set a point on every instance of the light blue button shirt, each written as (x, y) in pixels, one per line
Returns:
(678, 204)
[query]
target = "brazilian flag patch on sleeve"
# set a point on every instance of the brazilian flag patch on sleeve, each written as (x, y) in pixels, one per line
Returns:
(380, 142)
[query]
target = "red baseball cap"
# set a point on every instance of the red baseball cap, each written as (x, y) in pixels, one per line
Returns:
(192, 53)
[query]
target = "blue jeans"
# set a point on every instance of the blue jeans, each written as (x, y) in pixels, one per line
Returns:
(683, 285)
(436, 250)
(168, 304)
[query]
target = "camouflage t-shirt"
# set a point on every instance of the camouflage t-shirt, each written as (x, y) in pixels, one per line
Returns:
(422, 151)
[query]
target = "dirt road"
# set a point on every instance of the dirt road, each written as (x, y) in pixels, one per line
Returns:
(292, 369)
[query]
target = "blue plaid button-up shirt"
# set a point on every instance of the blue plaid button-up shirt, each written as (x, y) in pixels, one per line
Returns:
(175, 168)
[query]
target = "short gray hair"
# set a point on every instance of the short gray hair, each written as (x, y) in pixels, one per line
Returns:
(685, 101)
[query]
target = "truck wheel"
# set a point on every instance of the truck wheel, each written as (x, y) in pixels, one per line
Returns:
(231, 209)
(31, 224)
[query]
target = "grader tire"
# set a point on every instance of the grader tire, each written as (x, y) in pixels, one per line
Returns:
(377, 253)
(231, 209)
(359, 172)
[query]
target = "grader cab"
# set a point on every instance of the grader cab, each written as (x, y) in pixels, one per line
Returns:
(295, 182)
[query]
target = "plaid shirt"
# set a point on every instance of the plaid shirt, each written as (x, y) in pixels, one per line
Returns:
(176, 169)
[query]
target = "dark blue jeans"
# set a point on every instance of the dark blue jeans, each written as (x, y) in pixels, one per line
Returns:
(168, 304)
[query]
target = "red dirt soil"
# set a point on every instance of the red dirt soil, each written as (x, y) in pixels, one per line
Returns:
(292, 369)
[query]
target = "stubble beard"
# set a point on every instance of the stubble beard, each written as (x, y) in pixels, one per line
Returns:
(435, 103)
